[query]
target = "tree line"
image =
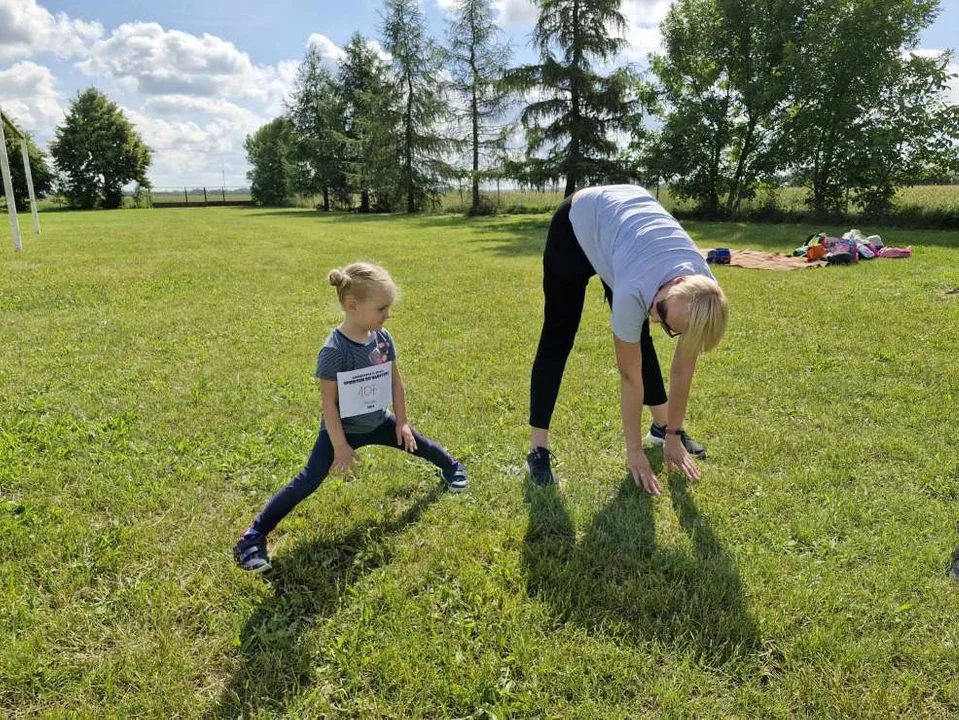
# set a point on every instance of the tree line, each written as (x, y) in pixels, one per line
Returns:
(745, 94)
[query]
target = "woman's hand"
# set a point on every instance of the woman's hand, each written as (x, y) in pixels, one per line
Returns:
(404, 437)
(344, 461)
(643, 474)
(677, 458)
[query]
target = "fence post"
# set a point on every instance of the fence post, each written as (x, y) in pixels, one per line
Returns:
(223, 192)
(204, 196)
(186, 198)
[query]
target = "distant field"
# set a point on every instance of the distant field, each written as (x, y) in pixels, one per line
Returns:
(928, 198)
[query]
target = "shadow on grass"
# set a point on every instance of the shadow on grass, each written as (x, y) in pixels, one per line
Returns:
(308, 583)
(616, 581)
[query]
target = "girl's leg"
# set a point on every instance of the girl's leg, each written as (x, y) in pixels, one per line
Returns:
(306, 481)
(385, 435)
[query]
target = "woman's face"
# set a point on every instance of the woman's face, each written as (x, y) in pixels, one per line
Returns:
(672, 313)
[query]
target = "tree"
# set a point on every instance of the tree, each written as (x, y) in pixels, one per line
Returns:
(581, 109)
(416, 64)
(727, 87)
(270, 152)
(370, 145)
(477, 63)
(840, 88)
(913, 137)
(99, 151)
(40, 171)
(315, 109)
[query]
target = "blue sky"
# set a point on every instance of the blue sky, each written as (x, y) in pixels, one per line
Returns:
(197, 76)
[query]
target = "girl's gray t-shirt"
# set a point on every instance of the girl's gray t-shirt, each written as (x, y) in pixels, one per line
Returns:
(340, 354)
(635, 246)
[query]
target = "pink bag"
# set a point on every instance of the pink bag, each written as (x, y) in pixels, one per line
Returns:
(888, 252)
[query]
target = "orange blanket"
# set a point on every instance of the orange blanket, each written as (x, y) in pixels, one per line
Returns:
(760, 260)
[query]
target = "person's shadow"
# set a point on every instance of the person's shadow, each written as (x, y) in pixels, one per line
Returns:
(308, 583)
(616, 580)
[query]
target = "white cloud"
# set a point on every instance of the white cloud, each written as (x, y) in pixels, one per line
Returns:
(153, 61)
(446, 5)
(643, 18)
(329, 51)
(188, 150)
(515, 13)
(29, 96)
(27, 29)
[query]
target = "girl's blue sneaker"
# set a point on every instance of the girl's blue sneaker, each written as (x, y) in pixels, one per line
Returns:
(250, 552)
(455, 478)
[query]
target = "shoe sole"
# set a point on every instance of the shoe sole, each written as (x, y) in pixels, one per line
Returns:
(450, 488)
(552, 476)
(651, 439)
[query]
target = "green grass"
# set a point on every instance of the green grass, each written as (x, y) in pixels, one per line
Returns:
(155, 390)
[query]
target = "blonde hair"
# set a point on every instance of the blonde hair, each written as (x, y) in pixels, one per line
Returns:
(359, 279)
(708, 313)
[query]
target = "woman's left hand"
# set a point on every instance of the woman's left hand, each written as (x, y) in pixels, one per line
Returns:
(404, 437)
(677, 458)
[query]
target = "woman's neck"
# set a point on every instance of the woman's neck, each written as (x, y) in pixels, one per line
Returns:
(353, 331)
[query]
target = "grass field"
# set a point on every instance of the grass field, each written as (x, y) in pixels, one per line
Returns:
(155, 390)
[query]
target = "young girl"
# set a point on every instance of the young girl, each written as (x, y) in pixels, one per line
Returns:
(359, 378)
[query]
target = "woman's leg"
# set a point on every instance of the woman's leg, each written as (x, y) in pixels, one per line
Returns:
(566, 273)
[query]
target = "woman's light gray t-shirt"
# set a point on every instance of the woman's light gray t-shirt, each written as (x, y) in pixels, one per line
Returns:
(340, 354)
(635, 246)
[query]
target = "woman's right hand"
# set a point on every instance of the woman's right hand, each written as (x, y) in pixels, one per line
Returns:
(643, 474)
(344, 461)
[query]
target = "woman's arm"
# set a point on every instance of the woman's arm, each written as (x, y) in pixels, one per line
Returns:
(680, 382)
(629, 360)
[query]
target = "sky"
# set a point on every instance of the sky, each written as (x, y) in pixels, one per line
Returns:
(197, 77)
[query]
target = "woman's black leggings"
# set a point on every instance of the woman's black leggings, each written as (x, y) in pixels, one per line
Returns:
(566, 272)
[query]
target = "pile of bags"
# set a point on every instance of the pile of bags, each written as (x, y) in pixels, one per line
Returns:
(848, 249)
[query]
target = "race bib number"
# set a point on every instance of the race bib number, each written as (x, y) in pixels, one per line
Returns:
(365, 390)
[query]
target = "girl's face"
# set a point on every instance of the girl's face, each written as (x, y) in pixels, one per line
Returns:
(373, 311)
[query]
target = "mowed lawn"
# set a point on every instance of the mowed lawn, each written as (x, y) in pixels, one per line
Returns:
(156, 388)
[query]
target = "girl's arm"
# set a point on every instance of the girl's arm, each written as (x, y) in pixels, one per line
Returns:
(404, 434)
(342, 452)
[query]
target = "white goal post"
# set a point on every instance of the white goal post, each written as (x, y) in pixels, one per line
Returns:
(7, 126)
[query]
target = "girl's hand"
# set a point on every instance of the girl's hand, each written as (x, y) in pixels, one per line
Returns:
(404, 437)
(344, 461)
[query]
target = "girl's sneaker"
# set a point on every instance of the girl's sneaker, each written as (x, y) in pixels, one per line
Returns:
(954, 565)
(250, 552)
(455, 478)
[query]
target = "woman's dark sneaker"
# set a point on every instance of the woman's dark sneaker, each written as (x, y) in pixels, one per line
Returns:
(657, 437)
(539, 468)
(250, 552)
(455, 478)
(954, 565)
